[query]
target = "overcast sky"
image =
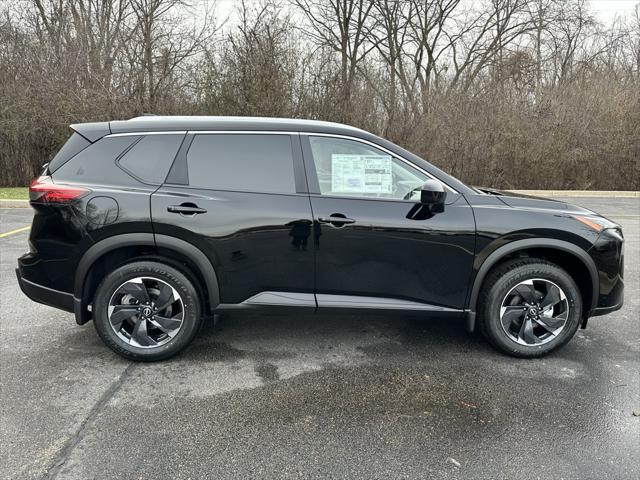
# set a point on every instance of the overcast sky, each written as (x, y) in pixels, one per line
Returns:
(606, 10)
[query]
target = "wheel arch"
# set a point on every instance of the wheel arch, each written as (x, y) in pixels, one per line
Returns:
(572, 258)
(135, 245)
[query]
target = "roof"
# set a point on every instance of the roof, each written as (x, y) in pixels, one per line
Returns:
(171, 123)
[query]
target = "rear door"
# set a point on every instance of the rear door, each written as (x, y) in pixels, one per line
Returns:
(376, 246)
(240, 198)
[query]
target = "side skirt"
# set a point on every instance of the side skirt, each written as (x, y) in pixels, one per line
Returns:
(283, 301)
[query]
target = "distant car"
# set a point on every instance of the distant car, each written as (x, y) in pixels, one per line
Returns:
(149, 225)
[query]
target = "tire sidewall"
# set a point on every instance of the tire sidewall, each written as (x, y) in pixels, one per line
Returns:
(173, 277)
(512, 278)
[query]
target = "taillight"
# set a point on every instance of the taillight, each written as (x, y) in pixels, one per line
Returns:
(43, 190)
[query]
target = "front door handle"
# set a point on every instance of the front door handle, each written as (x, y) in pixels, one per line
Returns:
(336, 219)
(186, 209)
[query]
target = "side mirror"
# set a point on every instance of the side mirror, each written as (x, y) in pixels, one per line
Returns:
(433, 195)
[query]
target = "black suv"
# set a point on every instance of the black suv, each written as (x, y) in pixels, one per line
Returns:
(148, 226)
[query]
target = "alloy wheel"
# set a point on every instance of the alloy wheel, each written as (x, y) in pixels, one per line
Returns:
(534, 312)
(146, 312)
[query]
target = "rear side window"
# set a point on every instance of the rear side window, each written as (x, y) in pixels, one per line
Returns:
(150, 159)
(96, 164)
(242, 162)
(73, 146)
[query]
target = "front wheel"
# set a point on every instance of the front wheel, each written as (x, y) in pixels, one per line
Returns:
(146, 311)
(529, 307)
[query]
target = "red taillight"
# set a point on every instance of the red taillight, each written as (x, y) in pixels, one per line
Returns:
(43, 190)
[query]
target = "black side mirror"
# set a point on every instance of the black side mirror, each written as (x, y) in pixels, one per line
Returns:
(433, 195)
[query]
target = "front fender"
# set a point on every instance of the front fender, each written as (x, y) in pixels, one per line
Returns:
(517, 245)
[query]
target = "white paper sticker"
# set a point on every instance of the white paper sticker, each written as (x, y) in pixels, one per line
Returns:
(361, 173)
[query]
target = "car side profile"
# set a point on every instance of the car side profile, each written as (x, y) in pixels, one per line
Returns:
(151, 225)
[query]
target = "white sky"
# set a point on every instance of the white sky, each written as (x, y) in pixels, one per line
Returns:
(605, 10)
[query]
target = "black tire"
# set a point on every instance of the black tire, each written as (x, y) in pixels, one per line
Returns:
(500, 282)
(191, 318)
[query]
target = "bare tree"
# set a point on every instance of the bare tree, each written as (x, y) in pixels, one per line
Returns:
(344, 26)
(485, 89)
(571, 28)
(255, 74)
(483, 36)
(161, 42)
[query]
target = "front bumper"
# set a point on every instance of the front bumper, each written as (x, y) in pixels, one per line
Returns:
(608, 256)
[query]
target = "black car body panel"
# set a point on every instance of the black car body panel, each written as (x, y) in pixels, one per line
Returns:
(385, 244)
(249, 247)
(608, 254)
(530, 223)
(250, 242)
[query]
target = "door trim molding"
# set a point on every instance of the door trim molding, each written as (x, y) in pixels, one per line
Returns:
(284, 299)
(322, 301)
(381, 303)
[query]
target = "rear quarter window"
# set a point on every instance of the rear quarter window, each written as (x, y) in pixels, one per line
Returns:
(96, 164)
(150, 158)
(73, 146)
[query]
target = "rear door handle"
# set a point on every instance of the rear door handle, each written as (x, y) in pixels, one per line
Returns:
(186, 209)
(336, 220)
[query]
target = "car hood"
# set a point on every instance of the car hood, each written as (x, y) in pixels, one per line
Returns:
(519, 200)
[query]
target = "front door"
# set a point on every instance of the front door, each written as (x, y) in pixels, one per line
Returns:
(375, 246)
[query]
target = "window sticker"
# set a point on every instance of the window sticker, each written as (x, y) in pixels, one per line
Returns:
(361, 173)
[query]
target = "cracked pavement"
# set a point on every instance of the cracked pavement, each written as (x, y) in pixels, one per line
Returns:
(325, 396)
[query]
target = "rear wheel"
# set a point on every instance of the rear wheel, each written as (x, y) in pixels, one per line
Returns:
(529, 307)
(146, 311)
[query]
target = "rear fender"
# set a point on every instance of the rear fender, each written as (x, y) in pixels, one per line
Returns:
(195, 255)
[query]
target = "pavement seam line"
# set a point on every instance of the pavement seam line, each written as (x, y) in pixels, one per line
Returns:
(69, 446)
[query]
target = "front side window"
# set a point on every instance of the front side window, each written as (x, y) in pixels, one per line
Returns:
(242, 162)
(348, 168)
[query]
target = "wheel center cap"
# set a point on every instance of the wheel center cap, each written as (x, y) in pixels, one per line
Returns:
(146, 312)
(533, 311)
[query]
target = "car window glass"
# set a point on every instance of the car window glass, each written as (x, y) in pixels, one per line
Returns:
(150, 158)
(96, 164)
(242, 162)
(349, 168)
(73, 146)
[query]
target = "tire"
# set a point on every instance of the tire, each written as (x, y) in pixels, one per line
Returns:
(153, 333)
(511, 310)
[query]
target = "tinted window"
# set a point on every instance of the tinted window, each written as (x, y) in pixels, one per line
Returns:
(250, 163)
(151, 158)
(348, 168)
(97, 163)
(75, 144)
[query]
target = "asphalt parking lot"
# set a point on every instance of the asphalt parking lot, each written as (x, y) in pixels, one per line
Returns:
(318, 396)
